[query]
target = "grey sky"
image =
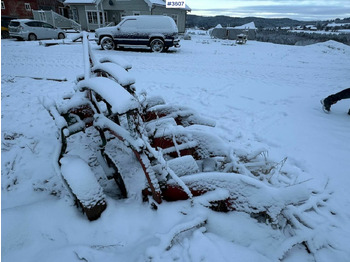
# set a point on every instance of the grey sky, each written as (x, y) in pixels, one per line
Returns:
(297, 9)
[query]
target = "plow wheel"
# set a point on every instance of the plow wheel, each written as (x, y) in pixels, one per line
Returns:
(112, 171)
(83, 185)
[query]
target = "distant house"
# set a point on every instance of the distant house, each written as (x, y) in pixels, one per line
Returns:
(92, 14)
(335, 26)
(311, 27)
(232, 32)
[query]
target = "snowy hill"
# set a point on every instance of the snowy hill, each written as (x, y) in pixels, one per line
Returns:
(261, 95)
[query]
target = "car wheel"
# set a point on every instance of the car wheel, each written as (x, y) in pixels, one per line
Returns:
(61, 36)
(32, 37)
(157, 45)
(107, 43)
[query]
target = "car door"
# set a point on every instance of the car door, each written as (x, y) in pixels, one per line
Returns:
(127, 32)
(35, 27)
(49, 31)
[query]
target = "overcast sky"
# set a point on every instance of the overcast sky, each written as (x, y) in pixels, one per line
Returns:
(294, 9)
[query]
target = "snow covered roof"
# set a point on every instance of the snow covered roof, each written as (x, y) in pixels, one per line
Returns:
(81, 1)
(162, 3)
(250, 25)
(218, 26)
(72, 2)
(335, 24)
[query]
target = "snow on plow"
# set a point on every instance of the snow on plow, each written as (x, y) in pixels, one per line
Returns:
(179, 155)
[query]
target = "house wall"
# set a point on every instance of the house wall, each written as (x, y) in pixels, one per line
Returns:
(126, 7)
(82, 16)
(121, 8)
(181, 15)
(49, 5)
(224, 33)
(17, 8)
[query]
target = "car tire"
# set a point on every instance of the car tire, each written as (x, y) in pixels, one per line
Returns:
(32, 37)
(157, 45)
(107, 43)
(61, 36)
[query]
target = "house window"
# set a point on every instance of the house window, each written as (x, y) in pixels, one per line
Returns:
(2, 5)
(136, 13)
(92, 17)
(27, 6)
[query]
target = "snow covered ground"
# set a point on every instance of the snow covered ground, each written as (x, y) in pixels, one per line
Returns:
(261, 95)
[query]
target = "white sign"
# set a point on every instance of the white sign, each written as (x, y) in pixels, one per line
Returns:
(175, 4)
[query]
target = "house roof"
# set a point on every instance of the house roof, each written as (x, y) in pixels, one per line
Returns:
(162, 3)
(250, 25)
(71, 2)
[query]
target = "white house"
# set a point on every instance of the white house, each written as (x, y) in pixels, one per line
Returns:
(92, 14)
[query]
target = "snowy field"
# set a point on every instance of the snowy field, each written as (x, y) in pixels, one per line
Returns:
(261, 95)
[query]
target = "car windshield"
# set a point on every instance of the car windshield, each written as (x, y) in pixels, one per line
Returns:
(13, 23)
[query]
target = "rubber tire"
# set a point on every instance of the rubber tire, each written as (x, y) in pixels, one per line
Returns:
(107, 43)
(157, 45)
(32, 37)
(61, 36)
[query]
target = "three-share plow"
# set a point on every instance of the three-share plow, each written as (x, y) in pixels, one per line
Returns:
(179, 154)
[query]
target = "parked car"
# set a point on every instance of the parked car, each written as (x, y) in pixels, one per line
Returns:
(28, 29)
(155, 31)
(5, 21)
(241, 39)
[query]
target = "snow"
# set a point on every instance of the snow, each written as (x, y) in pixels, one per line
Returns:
(81, 179)
(119, 99)
(120, 75)
(337, 24)
(150, 3)
(250, 25)
(71, 2)
(117, 60)
(263, 97)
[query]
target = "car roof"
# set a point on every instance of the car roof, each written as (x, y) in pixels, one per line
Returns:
(146, 16)
(26, 20)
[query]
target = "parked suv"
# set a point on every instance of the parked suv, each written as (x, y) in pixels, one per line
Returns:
(155, 31)
(28, 29)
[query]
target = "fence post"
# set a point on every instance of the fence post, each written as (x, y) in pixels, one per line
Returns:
(86, 56)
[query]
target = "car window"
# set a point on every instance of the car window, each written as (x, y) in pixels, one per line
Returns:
(13, 23)
(45, 25)
(34, 24)
(129, 24)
